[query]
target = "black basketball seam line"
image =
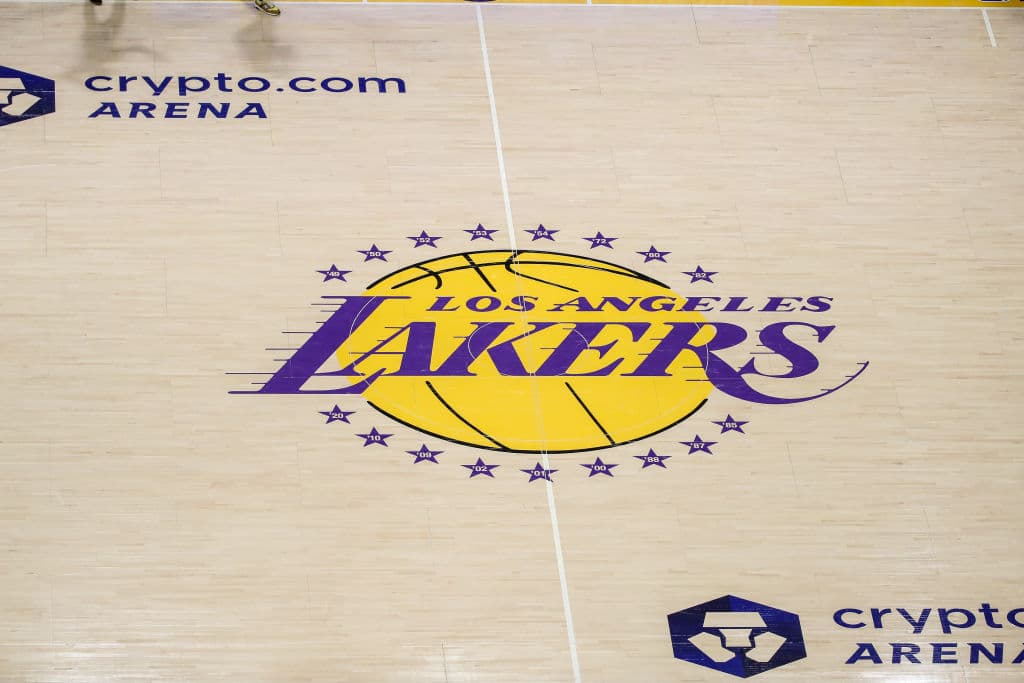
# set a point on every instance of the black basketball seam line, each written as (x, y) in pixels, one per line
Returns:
(514, 260)
(506, 449)
(517, 252)
(628, 272)
(479, 271)
(634, 276)
(437, 277)
(462, 419)
(590, 414)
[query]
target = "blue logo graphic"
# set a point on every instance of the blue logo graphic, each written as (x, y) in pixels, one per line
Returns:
(736, 636)
(24, 96)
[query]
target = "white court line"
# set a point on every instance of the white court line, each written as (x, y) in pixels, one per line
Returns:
(555, 533)
(988, 27)
(497, 131)
(570, 629)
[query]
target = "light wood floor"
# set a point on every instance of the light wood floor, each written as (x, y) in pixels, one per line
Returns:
(155, 528)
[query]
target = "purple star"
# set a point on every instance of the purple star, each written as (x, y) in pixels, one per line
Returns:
(424, 240)
(700, 274)
(731, 425)
(334, 273)
(600, 240)
(542, 233)
(425, 453)
(480, 467)
(699, 445)
(480, 232)
(653, 459)
(653, 254)
(374, 253)
(375, 438)
(598, 467)
(336, 414)
(538, 472)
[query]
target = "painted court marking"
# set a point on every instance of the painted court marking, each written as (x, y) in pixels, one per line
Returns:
(555, 533)
(497, 130)
(511, 231)
(988, 27)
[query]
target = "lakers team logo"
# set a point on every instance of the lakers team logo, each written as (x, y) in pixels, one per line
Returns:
(545, 352)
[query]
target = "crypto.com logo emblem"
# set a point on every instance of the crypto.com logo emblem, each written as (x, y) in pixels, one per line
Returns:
(24, 96)
(736, 636)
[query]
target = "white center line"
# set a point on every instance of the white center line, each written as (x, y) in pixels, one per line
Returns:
(556, 534)
(988, 27)
(570, 629)
(497, 131)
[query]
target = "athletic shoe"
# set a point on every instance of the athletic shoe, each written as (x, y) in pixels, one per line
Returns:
(267, 7)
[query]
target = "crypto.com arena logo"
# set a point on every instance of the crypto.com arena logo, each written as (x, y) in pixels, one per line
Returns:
(24, 96)
(542, 352)
(736, 636)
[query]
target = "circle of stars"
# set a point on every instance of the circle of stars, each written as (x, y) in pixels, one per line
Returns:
(336, 414)
(424, 454)
(653, 254)
(374, 438)
(374, 253)
(334, 273)
(423, 240)
(600, 240)
(699, 445)
(700, 275)
(481, 468)
(480, 233)
(542, 233)
(538, 471)
(730, 424)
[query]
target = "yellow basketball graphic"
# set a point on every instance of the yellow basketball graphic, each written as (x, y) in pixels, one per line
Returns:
(525, 352)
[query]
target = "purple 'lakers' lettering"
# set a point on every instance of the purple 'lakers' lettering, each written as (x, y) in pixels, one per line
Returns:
(322, 345)
(722, 375)
(415, 356)
(678, 340)
(803, 362)
(502, 354)
(418, 352)
(414, 343)
(579, 339)
(773, 338)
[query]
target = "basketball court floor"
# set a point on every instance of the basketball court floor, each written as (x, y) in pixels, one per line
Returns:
(514, 343)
